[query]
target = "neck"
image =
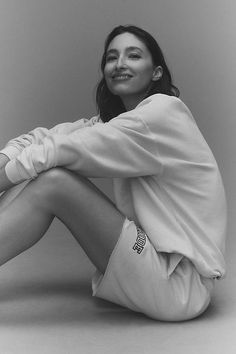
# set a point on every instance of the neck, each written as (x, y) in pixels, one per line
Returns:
(130, 102)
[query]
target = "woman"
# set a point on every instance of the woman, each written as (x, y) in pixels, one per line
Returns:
(159, 248)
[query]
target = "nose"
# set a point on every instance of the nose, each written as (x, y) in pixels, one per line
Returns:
(120, 64)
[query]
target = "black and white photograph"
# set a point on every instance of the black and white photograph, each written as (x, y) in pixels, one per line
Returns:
(117, 177)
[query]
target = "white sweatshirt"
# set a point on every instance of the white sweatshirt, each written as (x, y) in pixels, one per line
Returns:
(164, 174)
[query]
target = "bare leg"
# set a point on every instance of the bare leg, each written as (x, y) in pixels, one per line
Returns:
(90, 216)
(7, 197)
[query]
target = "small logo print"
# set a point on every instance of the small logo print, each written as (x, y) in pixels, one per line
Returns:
(140, 241)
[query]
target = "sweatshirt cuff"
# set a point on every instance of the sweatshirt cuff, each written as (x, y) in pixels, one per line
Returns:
(12, 173)
(10, 151)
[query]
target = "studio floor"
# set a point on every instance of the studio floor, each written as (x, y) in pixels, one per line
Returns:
(46, 307)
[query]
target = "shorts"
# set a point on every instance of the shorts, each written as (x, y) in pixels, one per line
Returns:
(163, 286)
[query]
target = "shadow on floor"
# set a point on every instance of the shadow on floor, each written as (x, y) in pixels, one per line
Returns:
(48, 302)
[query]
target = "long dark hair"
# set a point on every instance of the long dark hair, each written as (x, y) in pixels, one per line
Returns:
(110, 105)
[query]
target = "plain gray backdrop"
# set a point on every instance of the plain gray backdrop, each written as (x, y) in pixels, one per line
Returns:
(50, 54)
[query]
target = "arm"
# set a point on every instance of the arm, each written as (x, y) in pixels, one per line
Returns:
(15, 146)
(5, 183)
(124, 147)
(3, 160)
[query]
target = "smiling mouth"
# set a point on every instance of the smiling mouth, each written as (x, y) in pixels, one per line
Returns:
(121, 77)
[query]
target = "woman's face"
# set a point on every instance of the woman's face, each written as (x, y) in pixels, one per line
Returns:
(129, 69)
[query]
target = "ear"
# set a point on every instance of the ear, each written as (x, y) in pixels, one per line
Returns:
(157, 73)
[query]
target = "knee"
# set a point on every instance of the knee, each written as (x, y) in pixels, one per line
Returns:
(55, 177)
(52, 182)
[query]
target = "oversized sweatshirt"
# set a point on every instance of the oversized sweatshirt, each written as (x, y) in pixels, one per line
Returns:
(165, 177)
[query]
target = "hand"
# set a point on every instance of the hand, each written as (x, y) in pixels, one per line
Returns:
(3, 160)
(5, 183)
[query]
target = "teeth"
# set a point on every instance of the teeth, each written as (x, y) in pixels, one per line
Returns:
(121, 77)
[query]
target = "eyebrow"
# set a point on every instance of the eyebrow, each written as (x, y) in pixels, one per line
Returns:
(113, 50)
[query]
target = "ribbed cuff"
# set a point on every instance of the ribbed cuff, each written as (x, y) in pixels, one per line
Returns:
(12, 173)
(10, 151)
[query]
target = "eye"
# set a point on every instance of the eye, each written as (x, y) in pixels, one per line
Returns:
(111, 57)
(134, 56)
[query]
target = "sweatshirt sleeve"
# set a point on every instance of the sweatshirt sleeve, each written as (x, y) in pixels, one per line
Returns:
(123, 147)
(15, 146)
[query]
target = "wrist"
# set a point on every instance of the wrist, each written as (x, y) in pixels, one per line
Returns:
(3, 160)
(5, 183)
